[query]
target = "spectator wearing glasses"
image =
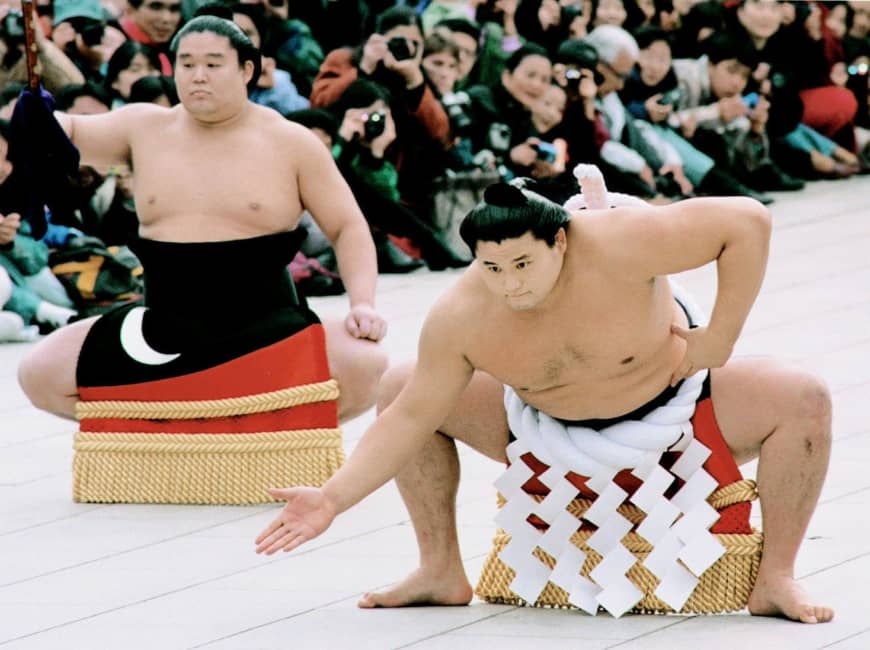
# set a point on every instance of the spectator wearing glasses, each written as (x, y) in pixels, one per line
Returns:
(154, 23)
(466, 35)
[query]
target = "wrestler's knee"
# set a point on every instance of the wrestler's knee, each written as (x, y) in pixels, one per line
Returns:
(814, 404)
(359, 376)
(35, 376)
(392, 383)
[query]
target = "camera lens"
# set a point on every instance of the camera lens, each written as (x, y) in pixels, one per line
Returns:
(375, 123)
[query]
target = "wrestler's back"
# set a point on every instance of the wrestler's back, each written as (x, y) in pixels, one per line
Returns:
(604, 350)
(209, 184)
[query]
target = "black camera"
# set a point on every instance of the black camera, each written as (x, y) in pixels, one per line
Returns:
(576, 75)
(456, 105)
(400, 49)
(91, 32)
(498, 138)
(374, 124)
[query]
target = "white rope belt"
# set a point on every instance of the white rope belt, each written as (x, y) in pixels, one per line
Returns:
(678, 528)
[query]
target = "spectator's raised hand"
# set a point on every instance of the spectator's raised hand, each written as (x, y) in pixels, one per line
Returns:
(549, 14)
(409, 68)
(9, 225)
(352, 125)
(374, 51)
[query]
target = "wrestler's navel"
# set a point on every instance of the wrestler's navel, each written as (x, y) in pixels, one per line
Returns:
(627, 360)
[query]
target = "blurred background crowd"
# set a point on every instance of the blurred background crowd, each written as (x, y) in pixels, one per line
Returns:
(424, 103)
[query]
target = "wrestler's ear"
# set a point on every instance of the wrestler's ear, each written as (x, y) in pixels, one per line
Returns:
(248, 71)
(562, 239)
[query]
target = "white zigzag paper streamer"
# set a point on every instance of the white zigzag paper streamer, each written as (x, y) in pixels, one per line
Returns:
(678, 529)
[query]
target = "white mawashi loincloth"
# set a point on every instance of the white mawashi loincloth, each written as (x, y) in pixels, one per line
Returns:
(678, 528)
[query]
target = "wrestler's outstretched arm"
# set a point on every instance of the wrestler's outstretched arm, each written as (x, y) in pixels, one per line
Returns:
(326, 195)
(441, 374)
(734, 232)
(104, 140)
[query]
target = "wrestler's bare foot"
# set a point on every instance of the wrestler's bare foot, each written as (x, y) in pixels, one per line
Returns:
(423, 587)
(783, 596)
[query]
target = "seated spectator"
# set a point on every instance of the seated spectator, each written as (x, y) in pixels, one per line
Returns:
(499, 39)
(154, 23)
(544, 22)
(548, 113)
(631, 146)
(608, 12)
(391, 58)
(366, 129)
(701, 21)
(466, 35)
(501, 116)
(440, 64)
(158, 90)
(130, 62)
(650, 94)
(713, 114)
(812, 52)
(81, 31)
(275, 87)
(83, 99)
(57, 70)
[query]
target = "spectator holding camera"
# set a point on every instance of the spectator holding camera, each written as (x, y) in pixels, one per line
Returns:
(501, 116)
(56, 69)
(391, 57)
(650, 94)
(366, 130)
(632, 145)
(81, 31)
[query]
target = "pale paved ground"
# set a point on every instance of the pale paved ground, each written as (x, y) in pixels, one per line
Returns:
(126, 576)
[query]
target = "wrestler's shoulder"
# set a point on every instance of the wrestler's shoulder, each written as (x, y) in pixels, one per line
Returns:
(462, 303)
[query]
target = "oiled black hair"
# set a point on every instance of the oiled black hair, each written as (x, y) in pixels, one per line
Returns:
(510, 210)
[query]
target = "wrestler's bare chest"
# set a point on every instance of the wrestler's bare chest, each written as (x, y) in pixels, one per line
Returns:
(222, 186)
(594, 358)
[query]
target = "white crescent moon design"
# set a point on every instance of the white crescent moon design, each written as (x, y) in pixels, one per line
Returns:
(134, 344)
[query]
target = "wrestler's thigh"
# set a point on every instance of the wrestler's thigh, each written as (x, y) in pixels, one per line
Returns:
(479, 419)
(50, 366)
(753, 395)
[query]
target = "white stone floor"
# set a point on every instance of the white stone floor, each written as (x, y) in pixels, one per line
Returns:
(85, 576)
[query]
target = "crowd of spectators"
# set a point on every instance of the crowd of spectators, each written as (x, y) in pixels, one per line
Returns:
(422, 103)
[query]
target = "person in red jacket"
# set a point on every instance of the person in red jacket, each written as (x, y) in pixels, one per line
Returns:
(392, 58)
